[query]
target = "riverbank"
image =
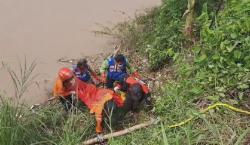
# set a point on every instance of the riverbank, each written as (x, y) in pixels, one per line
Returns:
(212, 67)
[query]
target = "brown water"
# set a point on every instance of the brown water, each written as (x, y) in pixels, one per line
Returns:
(47, 30)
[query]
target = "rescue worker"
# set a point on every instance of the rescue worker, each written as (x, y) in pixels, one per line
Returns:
(114, 69)
(64, 88)
(123, 86)
(83, 72)
(94, 98)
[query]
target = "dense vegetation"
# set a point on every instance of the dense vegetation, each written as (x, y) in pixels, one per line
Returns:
(210, 64)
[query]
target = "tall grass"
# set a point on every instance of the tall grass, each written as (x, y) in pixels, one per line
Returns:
(15, 127)
(47, 125)
(10, 131)
(23, 78)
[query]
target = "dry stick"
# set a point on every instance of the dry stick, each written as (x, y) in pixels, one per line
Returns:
(66, 60)
(148, 77)
(43, 103)
(121, 132)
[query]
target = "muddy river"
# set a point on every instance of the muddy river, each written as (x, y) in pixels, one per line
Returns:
(46, 30)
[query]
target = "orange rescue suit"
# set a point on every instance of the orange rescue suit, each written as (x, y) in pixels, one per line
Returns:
(131, 80)
(94, 98)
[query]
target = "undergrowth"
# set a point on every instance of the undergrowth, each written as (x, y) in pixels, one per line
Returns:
(214, 68)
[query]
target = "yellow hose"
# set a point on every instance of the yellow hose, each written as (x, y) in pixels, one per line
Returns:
(209, 108)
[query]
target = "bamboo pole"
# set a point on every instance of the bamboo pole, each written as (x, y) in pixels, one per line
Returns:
(121, 132)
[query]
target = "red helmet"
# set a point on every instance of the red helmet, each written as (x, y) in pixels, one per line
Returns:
(65, 73)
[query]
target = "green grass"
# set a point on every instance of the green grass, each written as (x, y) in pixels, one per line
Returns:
(203, 73)
(50, 125)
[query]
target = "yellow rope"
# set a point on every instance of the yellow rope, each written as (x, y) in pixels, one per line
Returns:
(209, 108)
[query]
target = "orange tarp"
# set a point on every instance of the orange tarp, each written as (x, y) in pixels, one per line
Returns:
(92, 96)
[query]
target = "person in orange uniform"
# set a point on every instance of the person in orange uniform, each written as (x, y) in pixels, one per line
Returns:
(94, 98)
(64, 88)
(130, 80)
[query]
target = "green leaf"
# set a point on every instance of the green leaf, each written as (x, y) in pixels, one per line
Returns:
(210, 66)
(216, 56)
(241, 94)
(164, 136)
(243, 86)
(237, 54)
(201, 58)
(170, 52)
(233, 35)
(230, 49)
(213, 98)
(222, 94)
(220, 89)
(197, 50)
(196, 90)
(233, 102)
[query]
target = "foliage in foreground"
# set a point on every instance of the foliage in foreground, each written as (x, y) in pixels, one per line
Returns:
(49, 125)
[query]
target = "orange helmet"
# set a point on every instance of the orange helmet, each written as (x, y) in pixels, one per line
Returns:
(65, 73)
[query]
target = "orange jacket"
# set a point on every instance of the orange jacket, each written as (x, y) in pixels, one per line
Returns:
(131, 80)
(60, 90)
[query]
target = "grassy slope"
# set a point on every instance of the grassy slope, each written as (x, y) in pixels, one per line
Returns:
(215, 69)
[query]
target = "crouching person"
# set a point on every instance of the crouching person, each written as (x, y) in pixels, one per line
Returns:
(64, 88)
(135, 88)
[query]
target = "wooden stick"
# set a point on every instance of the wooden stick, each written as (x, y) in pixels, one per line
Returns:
(121, 132)
(67, 60)
(43, 103)
(148, 77)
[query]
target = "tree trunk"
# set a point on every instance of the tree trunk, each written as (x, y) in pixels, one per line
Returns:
(189, 13)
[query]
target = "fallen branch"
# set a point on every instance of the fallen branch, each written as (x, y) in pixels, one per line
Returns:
(71, 61)
(43, 103)
(148, 77)
(121, 132)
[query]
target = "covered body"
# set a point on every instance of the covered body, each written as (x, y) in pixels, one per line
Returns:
(94, 98)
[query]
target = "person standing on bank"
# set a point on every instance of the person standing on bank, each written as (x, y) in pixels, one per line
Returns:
(115, 68)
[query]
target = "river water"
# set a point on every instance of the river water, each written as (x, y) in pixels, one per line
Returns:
(46, 30)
